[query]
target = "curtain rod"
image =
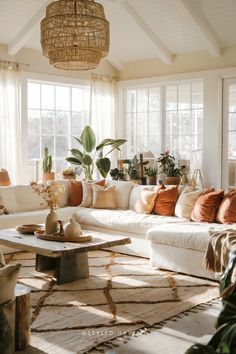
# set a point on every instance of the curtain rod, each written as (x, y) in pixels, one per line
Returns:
(9, 62)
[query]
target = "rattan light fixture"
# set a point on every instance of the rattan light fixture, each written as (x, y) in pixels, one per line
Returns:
(75, 34)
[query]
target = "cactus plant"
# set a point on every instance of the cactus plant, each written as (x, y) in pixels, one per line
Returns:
(47, 162)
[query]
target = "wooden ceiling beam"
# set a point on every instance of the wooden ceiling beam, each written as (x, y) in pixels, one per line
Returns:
(27, 31)
(202, 26)
(115, 61)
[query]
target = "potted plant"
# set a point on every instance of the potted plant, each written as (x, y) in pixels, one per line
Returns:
(68, 173)
(151, 173)
(171, 171)
(91, 156)
(117, 175)
(47, 167)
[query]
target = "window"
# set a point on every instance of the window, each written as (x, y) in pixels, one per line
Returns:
(166, 117)
(56, 113)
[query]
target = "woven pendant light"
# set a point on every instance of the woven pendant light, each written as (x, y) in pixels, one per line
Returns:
(75, 34)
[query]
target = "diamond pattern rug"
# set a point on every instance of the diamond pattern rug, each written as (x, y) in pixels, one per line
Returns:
(122, 295)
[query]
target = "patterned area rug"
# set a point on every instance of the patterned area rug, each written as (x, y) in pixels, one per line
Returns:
(122, 295)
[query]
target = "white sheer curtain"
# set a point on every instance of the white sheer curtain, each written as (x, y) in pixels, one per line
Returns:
(102, 109)
(10, 122)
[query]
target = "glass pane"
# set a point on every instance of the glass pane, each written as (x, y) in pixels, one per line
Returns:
(232, 98)
(48, 122)
(33, 122)
(62, 146)
(171, 98)
(197, 95)
(142, 124)
(184, 126)
(142, 100)
(197, 122)
(142, 143)
(87, 102)
(171, 123)
(62, 98)
(33, 147)
(155, 144)
(62, 123)
(154, 123)
(232, 121)
(78, 123)
(131, 100)
(184, 96)
(232, 145)
(48, 101)
(60, 165)
(131, 123)
(77, 99)
(48, 141)
(33, 95)
(154, 99)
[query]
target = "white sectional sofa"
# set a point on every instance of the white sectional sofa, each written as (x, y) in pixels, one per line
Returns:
(170, 242)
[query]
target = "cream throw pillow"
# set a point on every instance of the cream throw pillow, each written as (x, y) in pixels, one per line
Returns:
(186, 202)
(104, 198)
(146, 200)
(87, 200)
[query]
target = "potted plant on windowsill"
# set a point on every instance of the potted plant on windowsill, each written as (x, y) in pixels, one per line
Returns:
(169, 168)
(68, 173)
(151, 173)
(47, 167)
(91, 157)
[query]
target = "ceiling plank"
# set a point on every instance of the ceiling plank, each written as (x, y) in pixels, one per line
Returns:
(27, 31)
(115, 61)
(162, 52)
(202, 26)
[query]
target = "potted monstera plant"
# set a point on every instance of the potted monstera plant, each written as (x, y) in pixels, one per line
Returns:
(90, 156)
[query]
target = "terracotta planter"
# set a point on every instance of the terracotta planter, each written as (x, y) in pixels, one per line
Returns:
(48, 176)
(68, 177)
(4, 178)
(151, 180)
(172, 180)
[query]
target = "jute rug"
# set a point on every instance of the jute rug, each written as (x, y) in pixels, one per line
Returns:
(122, 295)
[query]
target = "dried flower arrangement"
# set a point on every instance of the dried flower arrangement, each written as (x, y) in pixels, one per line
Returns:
(49, 192)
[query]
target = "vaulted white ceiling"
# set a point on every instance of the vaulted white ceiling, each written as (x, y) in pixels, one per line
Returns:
(140, 29)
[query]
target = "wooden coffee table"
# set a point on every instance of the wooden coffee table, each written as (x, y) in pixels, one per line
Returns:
(65, 260)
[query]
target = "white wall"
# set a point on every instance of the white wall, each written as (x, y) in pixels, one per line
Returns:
(212, 140)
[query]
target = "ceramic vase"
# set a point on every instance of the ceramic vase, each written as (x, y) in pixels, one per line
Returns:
(51, 224)
(48, 176)
(72, 229)
(151, 180)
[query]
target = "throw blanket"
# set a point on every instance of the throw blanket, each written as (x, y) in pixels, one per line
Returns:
(220, 244)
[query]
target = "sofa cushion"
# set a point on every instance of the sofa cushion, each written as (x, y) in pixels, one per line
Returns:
(146, 200)
(187, 234)
(87, 200)
(104, 197)
(227, 210)
(206, 206)
(8, 199)
(75, 193)
(121, 220)
(123, 191)
(186, 202)
(166, 201)
(27, 199)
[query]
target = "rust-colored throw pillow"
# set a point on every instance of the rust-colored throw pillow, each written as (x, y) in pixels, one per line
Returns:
(166, 200)
(227, 209)
(75, 193)
(206, 206)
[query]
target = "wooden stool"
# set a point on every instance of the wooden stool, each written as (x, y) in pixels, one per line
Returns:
(22, 319)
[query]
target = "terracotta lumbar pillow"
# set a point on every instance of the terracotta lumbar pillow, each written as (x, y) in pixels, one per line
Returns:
(104, 198)
(206, 206)
(75, 193)
(227, 209)
(87, 200)
(186, 202)
(166, 201)
(146, 200)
